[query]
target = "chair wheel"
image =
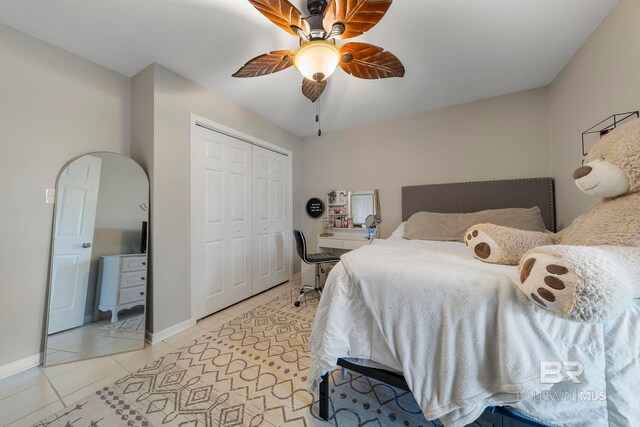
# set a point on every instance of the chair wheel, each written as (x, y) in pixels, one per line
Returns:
(297, 303)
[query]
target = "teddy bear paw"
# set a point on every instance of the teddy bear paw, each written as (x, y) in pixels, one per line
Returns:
(484, 247)
(548, 281)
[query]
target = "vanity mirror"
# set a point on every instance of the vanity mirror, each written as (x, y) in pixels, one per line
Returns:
(361, 205)
(98, 265)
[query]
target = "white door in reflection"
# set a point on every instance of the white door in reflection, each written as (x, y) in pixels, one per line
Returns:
(77, 199)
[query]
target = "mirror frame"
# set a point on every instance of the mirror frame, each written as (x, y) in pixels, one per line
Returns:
(51, 251)
(376, 203)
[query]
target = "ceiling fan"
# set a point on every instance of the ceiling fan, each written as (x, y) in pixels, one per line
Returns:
(318, 55)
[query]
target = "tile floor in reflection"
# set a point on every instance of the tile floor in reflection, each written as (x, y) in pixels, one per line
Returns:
(97, 339)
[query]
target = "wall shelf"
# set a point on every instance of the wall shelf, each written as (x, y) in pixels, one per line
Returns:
(597, 131)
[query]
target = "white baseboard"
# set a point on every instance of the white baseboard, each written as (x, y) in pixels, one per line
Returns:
(156, 337)
(295, 276)
(20, 365)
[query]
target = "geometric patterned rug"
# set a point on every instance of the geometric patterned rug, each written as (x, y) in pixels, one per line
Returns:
(133, 324)
(251, 371)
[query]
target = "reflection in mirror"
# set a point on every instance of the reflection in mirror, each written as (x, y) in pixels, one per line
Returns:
(97, 284)
(361, 205)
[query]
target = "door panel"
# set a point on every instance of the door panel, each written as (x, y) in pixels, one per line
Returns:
(262, 198)
(238, 190)
(238, 264)
(76, 205)
(209, 179)
(215, 150)
(280, 208)
(222, 226)
(278, 200)
(65, 270)
(263, 256)
(215, 255)
(279, 264)
(71, 207)
(271, 219)
(240, 228)
(215, 197)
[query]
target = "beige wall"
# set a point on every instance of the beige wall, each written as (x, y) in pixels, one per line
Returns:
(53, 106)
(142, 152)
(602, 79)
(496, 138)
(175, 98)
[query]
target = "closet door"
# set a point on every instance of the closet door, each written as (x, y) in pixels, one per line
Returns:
(240, 228)
(221, 216)
(270, 219)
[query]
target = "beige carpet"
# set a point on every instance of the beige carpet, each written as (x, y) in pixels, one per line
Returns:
(251, 371)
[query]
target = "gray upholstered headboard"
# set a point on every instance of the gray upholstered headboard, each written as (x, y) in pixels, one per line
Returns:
(467, 197)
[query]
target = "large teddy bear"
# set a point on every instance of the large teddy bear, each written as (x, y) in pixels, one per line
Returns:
(590, 271)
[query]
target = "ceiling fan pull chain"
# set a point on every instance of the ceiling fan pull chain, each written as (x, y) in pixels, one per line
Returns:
(318, 117)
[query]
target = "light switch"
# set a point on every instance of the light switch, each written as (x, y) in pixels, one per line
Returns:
(50, 196)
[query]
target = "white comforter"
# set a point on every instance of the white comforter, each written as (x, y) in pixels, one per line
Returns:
(465, 337)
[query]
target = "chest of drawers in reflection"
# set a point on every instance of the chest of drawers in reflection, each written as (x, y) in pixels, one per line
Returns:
(123, 283)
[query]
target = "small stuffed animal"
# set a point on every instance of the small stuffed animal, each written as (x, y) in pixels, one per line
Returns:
(590, 271)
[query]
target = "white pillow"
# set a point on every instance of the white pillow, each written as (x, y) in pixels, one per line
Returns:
(399, 232)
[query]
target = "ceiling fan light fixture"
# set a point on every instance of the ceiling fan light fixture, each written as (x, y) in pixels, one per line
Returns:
(317, 60)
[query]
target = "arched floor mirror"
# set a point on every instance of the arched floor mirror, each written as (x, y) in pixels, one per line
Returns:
(98, 265)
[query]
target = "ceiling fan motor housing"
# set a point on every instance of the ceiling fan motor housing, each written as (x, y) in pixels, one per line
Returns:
(314, 20)
(316, 7)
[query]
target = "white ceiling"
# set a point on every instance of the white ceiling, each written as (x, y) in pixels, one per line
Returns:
(454, 51)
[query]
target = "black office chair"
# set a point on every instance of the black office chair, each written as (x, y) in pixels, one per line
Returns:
(312, 259)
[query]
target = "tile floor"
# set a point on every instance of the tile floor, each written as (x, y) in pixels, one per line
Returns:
(29, 396)
(97, 339)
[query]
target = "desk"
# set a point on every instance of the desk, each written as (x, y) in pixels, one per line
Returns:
(342, 241)
(346, 239)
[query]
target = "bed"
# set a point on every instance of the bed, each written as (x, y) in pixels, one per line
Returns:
(430, 319)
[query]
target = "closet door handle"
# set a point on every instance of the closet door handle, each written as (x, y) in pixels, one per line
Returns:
(142, 278)
(144, 262)
(86, 245)
(142, 293)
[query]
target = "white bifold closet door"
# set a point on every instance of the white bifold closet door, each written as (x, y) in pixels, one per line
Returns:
(225, 218)
(270, 219)
(221, 199)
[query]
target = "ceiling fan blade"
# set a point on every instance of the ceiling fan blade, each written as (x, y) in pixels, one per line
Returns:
(313, 90)
(268, 63)
(357, 16)
(367, 61)
(282, 13)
